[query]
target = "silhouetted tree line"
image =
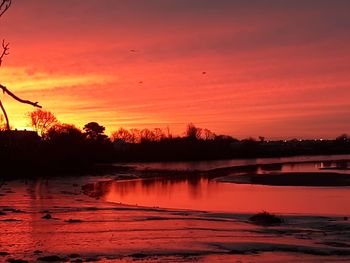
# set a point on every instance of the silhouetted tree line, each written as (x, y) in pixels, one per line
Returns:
(202, 144)
(161, 145)
(55, 147)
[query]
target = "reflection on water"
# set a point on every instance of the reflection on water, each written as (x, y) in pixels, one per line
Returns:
(322, 166)
(207, 165)
(210, 195)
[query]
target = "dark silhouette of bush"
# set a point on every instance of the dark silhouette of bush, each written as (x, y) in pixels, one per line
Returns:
(98, 145)
(94, 131)
(65, 145)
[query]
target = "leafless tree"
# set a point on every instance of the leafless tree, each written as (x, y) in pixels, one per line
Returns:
(135, 135)
(208, 135)
(193, 132)
(122, 135)
(147, 135)
(168, 133)
(159, 134)
(4, 6)
(42, 121)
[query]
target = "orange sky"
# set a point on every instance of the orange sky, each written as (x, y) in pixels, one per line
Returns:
(274, 68)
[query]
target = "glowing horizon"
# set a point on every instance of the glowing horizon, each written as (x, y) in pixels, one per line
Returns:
(263, 68)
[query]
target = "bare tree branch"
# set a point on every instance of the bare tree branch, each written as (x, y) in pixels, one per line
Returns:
(5, 50)
(4, 5)
(6, 117)
(5, 90)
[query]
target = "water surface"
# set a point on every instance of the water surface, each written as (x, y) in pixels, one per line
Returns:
(209, 195)
(207, 165)
(109, 232)
(201, 193)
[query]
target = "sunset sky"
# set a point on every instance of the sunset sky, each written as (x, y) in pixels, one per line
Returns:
(280, 69)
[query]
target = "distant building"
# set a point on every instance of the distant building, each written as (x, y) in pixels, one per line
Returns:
(18, 144)
(19, 136)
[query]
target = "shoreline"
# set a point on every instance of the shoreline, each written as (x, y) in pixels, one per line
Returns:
(240, 174)
(82, 168)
